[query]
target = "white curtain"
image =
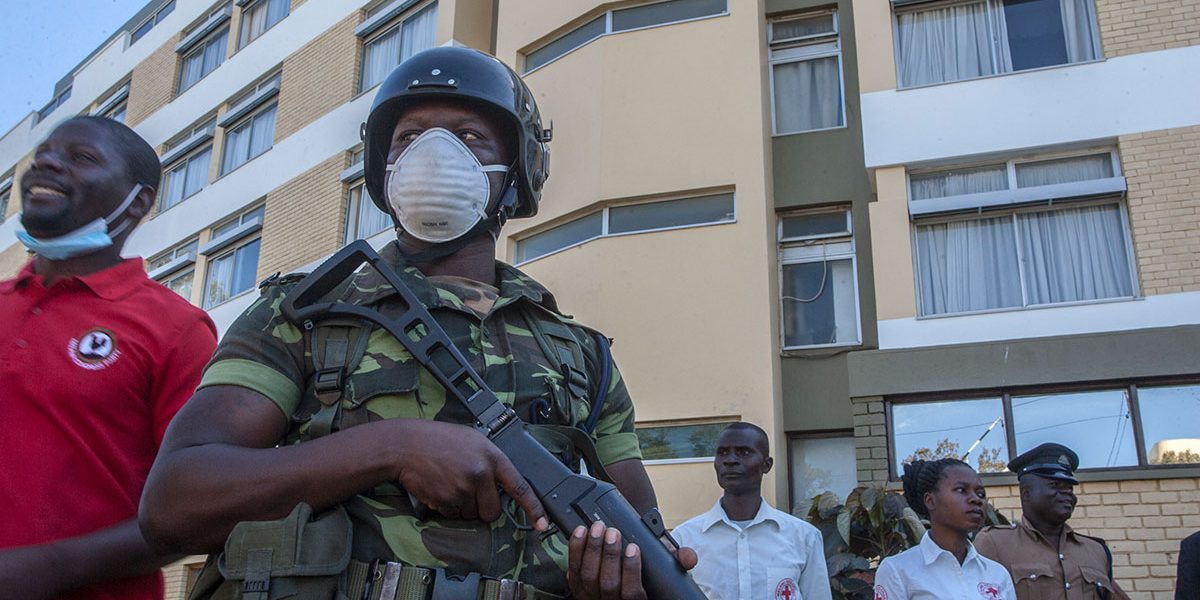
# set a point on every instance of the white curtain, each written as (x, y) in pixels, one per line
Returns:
(379, 58)
(1075, 254)
(262, 132)
(419, 32)
(197, 173)
(1065, 170)
(807, 95)
(958, 182)
(1077, 26)
(217, 278)
(967, 265)
(944, 44)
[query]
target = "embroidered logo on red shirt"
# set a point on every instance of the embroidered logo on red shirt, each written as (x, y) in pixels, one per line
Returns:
(786, 590)
(94, 350)
(880, 593)
(990, 591)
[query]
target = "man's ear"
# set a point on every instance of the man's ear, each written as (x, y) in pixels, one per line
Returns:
(767, 464)
(143, 203)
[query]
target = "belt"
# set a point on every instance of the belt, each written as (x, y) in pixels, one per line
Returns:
(393, 581)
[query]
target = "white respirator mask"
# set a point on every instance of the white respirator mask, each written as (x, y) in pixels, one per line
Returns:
(437, 188)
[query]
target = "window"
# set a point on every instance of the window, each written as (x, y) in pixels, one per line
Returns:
(629, 218)
(58, 100)
(1044, 230)
(174, 268)
(248, 139)
(233, 252)
(1122, 425)
(676, 442)
(624, 19)
(963, 40)
(818, 279)
(381, 54)
(185, 178)
(6, 184)
(806, 73)
(151, 21)
(260, 15)
(113, 105)
(363, 218)
(203, 59)
(822, 462)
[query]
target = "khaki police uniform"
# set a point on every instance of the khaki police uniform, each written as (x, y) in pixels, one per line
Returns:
(1073, 567)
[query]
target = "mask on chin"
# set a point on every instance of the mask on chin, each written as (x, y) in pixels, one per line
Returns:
(92, 237)
(437, 189)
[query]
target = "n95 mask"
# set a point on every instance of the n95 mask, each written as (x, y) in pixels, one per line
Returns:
(437, 189)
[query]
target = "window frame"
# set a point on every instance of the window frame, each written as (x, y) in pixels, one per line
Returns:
(806, 48)
(240, 230)
(718, 420)
(801, 250)
(1006, 394)
(6, 187)
(823, 434)
(911, 6)
(152, 20)
(199, 48)
(183, 161)
(607, 17)
(247, 122)
(354, 210)
(58, 100)
(604, 222)
(248, 7)
(392, 25)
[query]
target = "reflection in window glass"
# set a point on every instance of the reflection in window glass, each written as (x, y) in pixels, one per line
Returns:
(568, 42)
(1064, 170)
(800, 227)
(249, 139)
(1096, 425)
(1171, 423)
(671, 213)
(957, 182)
(567, 234)
(933, 430)
(819, 304)
(664, 12)
(231, 274)
(363, 218)
(679, 441)
(182, 284)
(820, 464)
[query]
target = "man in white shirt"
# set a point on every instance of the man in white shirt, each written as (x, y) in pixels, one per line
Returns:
(747, 549)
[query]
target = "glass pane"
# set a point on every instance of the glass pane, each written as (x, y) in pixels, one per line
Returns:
(141, 31)
(1075, 254)
(164, 11)
(568, 42)
(573, 232)
(217, 279)
(197, 172)
(965, 266)
(802, 27)
(671, 213)
(182, 285)
(1171, 423)
(817, 225)
(1035, 33)
(944, 44)
(933, 430)
(173, 187)
(262, 132)
(819, 306)
(822, 464)
(418, 33)
(956, 182)
(254, 215)
(1065, 170)
(807, 95)
(371, 220)
(245, 267)
(1096, 425)
(680, 441)
(380, 55)
(664, 12)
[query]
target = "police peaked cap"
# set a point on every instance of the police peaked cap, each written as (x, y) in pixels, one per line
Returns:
(466, 74)
(1049, 460)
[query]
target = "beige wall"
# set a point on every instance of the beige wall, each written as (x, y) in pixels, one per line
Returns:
(468, 22)
(1132, 26)
(152, 84)
(891, 246)
(305, 218)
(11, 260)
(318, 77)
(1164, 207)
(684, 490)
(876, 50)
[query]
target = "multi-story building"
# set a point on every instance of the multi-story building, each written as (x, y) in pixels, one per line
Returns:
(872, 228)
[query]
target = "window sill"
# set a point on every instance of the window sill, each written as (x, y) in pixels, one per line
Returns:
(1032, 307)
(995, 75)
(229, 299)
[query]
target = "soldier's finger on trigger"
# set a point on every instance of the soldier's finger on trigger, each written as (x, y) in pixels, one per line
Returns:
(519, 490)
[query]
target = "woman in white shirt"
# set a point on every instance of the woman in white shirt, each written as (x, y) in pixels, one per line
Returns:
(944, 565)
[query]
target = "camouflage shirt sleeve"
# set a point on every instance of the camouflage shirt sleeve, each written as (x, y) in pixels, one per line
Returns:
(262, 351)
(615, 437)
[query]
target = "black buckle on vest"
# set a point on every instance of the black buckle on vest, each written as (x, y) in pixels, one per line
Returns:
(328, 380)
(451, 587)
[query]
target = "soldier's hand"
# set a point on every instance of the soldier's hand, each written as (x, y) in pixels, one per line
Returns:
(456, 471)
(598, 569)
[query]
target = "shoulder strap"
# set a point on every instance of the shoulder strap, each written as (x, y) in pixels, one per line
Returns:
(336, 346)
(561, 348)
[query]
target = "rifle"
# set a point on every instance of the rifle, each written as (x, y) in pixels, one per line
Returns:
(570, 499)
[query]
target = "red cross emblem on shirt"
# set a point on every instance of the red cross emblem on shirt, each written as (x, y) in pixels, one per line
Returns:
(786, 590)
(990, 591)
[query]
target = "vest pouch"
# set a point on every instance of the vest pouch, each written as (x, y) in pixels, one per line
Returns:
(301, 556)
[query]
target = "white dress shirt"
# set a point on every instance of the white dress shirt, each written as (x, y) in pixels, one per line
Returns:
(928, 572)
(775, 557)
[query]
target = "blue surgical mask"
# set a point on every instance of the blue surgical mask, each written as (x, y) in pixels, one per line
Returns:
(93, 237)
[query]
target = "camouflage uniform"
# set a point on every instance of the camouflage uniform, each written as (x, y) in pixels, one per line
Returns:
(262, 351)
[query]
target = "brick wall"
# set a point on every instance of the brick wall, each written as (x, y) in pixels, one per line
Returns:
(1164, 207)
(175, 576)
(152, 84)
(1142, 520)
(305, 218)
(1132, 26)
(318, 77)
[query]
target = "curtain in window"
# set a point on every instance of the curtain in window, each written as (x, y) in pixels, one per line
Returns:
(192, 70)
(944, 44)
(379, 58)
(370, 219)
(967, 265)
(958, 182)
(237, 147)
(807, 95)
(1065, 170)
(214, 52)
(418, 34)
(217, 279)
(262, 132)
(1075, 254)
(1077, 25)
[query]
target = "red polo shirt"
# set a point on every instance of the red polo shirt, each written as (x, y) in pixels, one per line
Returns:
(91, 371)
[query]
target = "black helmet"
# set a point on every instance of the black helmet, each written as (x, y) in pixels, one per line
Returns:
(455, 72)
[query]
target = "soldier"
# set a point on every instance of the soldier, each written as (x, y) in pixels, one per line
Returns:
(454, 146)
(1046, 558)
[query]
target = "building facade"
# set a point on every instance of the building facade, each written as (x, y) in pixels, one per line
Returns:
(834, 219)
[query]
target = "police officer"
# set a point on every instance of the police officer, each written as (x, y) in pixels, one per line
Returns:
(1046, 558)
(454, 146)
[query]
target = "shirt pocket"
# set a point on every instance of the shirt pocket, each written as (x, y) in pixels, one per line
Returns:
(1097, 581)
(1035, 580)
(783, 583)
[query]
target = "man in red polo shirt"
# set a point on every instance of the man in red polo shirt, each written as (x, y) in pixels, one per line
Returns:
(95, 359)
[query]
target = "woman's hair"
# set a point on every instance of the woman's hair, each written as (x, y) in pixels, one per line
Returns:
(921, 476)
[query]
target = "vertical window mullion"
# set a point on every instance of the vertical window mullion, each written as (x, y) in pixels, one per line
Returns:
(1139, 436)
(1010, 428)
(608, 18)
(604, 219)
(1021, 279)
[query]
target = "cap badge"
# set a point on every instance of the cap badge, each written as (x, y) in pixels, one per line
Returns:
(1062, 460)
